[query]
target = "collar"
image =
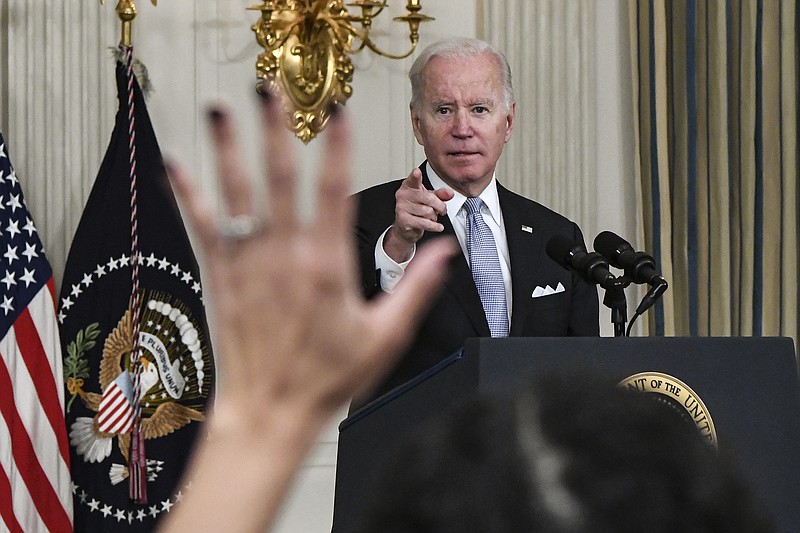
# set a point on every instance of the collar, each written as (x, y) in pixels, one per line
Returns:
(489, 196)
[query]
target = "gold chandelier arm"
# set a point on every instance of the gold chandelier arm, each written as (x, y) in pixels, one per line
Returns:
(372, 46)
(307, 48)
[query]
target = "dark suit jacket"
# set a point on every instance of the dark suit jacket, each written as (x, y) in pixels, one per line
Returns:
(457, 313)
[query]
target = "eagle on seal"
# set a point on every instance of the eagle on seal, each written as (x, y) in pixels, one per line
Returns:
(165, 414)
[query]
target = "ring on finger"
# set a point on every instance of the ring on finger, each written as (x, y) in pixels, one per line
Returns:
(240, 227)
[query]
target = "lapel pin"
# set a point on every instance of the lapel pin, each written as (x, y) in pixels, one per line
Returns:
(527, 229)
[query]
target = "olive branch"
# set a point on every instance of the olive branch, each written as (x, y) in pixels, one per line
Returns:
(76, 366)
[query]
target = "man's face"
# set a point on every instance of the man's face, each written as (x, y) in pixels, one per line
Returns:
(461, 121)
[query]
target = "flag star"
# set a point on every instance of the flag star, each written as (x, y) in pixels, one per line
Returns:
(158, 327)
(14, 202)
(82, 496)
(100, 271)
(29, 227)
(154, 511)
(112, 264)
(94, 505)
(124, 260)
(119, 515)
(30, 251)
(61, 317)
(106, 510)
(76, 290)
(7, 306)
(140, 514)
(13, 228)
(66, 303)
(179, 497)
(9, 279)
(3, 150)
(72, 486)
(166, 505)
(130, 517)
(149, 323)
(13, 179)
(187, 277)
(196, 288)
(151, 260)
(163, 263)
(11, 254)
(27, 277)
(175, 270)
(87, 279)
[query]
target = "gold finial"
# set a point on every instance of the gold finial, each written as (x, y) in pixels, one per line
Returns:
(126, 10)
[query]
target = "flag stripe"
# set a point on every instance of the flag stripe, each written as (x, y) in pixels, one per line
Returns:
(6, 509)
(44, 497)
(35, 357)
(19, 505)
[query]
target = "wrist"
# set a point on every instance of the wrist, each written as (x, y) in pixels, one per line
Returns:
(396, 247)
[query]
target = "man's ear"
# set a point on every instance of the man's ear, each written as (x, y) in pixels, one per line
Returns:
(510, 119)
(415, 124)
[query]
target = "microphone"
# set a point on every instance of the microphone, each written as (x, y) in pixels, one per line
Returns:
(591, 266)
(638, 266)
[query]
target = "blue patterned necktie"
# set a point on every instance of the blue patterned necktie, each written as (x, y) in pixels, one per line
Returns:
(485, 265)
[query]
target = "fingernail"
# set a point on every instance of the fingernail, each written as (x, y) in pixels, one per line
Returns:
(264, 93)
(334, 110)
(215, 114)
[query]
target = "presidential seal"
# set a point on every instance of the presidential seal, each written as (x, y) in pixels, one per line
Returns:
(677, 395)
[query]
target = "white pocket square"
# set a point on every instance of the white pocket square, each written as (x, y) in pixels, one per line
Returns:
(547, 290)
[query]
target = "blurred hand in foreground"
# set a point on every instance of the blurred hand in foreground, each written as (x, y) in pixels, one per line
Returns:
(294, 340)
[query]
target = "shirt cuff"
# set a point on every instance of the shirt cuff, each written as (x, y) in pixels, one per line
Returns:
(391, 271)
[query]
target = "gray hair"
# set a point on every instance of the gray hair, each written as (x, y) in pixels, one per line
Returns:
(459, 48)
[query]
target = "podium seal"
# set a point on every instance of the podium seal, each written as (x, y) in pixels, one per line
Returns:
(677, 395)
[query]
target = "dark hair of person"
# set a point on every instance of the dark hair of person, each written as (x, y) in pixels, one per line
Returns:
(565, 454)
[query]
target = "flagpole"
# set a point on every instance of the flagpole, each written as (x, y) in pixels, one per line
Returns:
(137, 466)
(126, 11)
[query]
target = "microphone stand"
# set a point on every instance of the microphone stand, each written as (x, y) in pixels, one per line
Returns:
(615, 300)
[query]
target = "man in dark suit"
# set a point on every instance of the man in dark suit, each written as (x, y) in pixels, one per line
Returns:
(462, 112)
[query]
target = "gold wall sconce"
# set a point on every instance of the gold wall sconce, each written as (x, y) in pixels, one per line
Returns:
(307, 47)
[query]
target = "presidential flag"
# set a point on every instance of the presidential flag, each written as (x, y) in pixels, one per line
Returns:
(34, 454)
(132, 241)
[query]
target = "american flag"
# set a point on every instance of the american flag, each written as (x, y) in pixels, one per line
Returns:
(34, 452)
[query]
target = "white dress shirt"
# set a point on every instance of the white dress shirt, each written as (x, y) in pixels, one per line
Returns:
(392, 271)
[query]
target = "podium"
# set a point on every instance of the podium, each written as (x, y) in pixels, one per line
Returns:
(748, 387)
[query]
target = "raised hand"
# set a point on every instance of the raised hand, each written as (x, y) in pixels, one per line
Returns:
(294, 339)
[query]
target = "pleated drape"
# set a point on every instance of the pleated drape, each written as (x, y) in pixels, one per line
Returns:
(715, 106)
(550, 46)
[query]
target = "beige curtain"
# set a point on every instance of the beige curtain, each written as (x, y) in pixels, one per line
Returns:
(550, 46)
(715, 102)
